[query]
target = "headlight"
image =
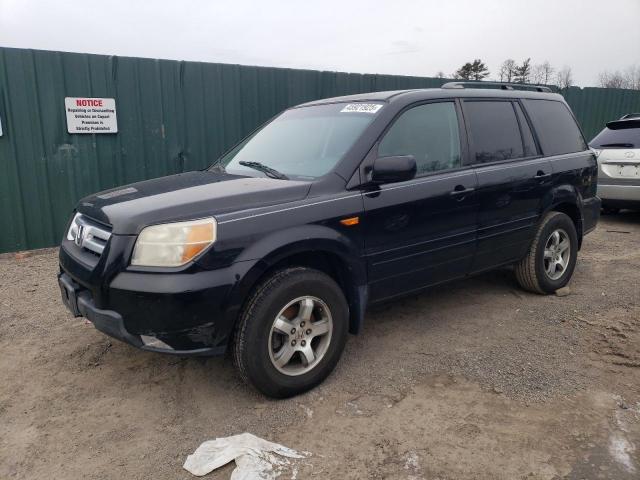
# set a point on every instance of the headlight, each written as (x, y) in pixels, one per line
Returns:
(173, 244)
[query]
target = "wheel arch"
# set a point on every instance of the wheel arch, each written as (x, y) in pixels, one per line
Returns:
(334, 255)
(573, 212)
(568, 201)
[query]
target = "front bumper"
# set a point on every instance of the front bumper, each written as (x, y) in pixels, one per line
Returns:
(186, 312)
(78, 300)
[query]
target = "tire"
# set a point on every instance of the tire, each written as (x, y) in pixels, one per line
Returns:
(533, 271)
(287, 295)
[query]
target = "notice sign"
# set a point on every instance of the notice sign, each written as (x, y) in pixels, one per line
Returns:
(91, 115)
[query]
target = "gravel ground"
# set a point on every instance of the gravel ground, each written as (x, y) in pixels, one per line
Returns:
(472, 380)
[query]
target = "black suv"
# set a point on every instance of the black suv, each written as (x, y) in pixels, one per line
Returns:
(275, 251)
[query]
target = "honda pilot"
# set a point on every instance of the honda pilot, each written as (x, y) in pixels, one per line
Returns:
(274, 253)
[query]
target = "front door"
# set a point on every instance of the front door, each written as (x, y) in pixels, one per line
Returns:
(422, 231)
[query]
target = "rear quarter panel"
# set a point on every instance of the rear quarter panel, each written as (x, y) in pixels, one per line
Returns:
(575, 181)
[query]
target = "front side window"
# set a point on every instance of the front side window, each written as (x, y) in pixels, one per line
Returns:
(305, 142)
(494, 131)
(428, 132)
(557, 130)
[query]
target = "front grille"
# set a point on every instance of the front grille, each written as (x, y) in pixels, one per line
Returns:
(88, 234)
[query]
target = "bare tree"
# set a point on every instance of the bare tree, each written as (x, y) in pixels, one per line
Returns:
(632, 77)
(542, 73)
(629, 78)
(537, 75)
(508, 70)
(440, 74)
(564, 78)
(611, 80)
(548, 71)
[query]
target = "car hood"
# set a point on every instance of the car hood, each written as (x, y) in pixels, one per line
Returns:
(185, 196)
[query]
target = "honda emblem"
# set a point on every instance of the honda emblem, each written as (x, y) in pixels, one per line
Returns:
(79, 235)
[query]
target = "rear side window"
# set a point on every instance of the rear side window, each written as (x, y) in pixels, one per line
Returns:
(621, 134)
(557, 131)
(529, 143)
(428, 132)
(494, 131)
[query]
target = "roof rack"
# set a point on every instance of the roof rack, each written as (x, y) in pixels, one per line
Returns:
(500, 85)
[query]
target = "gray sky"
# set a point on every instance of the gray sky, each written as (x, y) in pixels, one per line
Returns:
(404, 37)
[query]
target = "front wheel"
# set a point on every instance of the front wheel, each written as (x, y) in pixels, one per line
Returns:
(552, 256)
(292, 332)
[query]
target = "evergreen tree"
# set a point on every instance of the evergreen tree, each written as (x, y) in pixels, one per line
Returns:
(475, 70)
(523, 72)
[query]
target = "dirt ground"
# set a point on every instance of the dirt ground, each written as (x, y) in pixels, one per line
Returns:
(472, 380)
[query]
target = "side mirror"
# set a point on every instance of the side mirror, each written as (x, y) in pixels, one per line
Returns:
(393, 169)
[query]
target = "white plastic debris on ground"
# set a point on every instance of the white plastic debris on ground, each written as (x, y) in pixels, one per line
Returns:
(256, 459)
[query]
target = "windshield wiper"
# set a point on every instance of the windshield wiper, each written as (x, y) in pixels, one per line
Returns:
(620, 145)
(271, 172)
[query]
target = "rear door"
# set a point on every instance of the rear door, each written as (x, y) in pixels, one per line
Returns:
(513, 179)
(422, 231)
(573, 165)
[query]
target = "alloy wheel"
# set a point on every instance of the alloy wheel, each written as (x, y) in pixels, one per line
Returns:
(300, 335)
(557, 254)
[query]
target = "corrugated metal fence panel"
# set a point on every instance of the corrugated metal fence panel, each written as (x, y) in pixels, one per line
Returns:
(172, 117)
(596, 106)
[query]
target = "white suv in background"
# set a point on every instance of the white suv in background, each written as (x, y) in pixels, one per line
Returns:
(618, 150)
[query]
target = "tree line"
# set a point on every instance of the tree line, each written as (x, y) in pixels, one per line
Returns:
(628, 78)
(544, 74)
(513, 72)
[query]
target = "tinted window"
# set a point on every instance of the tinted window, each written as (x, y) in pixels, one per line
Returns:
(495, 134)
(527, 137)
(429, 133)
(557, 130)
(618, 137)
(302, 142)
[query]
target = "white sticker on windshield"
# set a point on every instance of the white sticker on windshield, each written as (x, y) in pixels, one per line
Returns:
(362, 107)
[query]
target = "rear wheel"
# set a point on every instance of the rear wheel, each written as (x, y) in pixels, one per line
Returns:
(552, 257)
(292, 332)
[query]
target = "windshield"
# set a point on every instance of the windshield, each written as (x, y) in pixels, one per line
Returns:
(302, 142)
(619, 138)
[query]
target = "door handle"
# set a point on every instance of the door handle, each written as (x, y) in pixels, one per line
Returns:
(460, 192)
(541, 175)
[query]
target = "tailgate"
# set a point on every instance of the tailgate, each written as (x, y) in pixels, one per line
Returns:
(619, 164)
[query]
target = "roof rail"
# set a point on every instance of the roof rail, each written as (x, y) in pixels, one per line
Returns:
(500, 85)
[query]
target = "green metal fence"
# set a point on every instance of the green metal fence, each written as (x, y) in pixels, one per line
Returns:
(172, 117)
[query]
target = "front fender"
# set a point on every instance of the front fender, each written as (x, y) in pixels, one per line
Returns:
(278, 244)
(276, 247)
